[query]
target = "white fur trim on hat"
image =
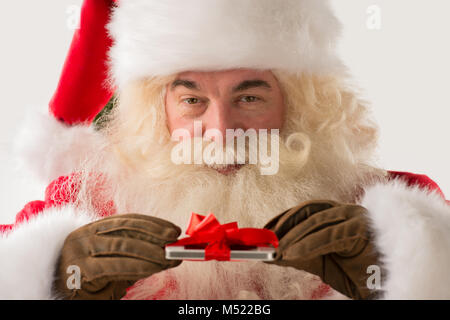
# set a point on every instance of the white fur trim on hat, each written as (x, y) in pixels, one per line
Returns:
(153, 37)
(49, 148)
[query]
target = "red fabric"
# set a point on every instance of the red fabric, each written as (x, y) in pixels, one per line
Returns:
(5, 228)
(170, 285)
(64, 190)
(420, 180)
(82, 90)
(31, 209)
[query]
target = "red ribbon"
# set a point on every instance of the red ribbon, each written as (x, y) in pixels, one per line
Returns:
(218, 238)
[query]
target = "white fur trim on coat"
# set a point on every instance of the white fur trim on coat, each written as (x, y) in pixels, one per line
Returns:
(28, 254)
(153, 37)
(412, 232)
(49, 148)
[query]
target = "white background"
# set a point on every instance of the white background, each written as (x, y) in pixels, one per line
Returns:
(403, 69)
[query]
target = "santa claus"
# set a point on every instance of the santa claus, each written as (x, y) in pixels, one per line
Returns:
(116, 197)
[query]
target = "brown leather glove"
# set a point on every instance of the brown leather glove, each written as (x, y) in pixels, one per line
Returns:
(330, 240)
(113, 253)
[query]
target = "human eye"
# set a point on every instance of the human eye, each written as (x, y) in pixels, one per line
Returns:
(191, 101)
(192, 106)
(249, 99)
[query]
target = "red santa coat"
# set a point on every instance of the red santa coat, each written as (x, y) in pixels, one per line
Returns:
(34, 230)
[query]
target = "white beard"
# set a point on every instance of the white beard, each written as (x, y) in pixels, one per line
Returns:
(212, 280)
(247, 197)
(173, 192)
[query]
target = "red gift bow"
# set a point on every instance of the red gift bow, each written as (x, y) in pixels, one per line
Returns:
(219, 237)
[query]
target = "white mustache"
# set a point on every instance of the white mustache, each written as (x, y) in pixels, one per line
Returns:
(261, 150)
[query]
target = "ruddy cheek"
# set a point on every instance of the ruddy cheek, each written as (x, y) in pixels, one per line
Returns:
(270, 120)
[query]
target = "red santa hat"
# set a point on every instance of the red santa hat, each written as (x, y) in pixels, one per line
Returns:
(121, 42)
(82, 91)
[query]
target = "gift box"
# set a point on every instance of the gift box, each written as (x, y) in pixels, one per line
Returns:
(210, 240)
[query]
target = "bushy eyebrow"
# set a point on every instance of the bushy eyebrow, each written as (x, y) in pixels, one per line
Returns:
(185, 83)
(244, 85)
(249, 84)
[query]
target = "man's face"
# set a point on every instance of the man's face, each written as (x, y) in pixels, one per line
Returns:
(231, 99)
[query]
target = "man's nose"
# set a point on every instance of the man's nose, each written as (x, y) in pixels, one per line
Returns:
(220, 118)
